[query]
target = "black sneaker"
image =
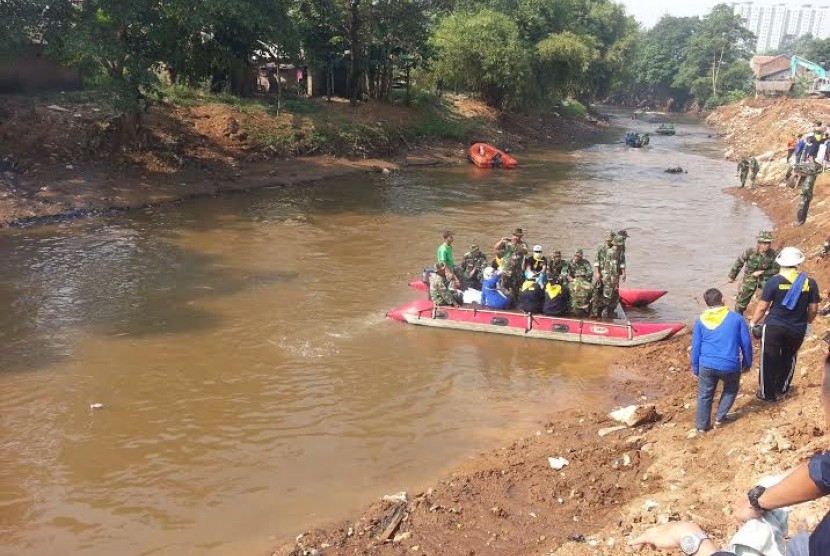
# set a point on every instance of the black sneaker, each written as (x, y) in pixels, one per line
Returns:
(725, 421)
(762, 398)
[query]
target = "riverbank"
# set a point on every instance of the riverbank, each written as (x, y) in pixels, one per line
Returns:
(64, 157)
(510, 501)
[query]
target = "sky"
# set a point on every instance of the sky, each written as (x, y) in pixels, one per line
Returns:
(648, 12)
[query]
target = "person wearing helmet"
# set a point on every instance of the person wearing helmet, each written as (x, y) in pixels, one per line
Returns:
(792, 299)
(441, 287)
(491, 296)
(535, 265)
(759, 265)
(577, 261)
(580, 291)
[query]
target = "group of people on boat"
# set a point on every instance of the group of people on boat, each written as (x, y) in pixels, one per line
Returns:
(527, 279)
(634, 139)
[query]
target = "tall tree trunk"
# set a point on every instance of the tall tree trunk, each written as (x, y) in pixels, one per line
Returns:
(355, 24)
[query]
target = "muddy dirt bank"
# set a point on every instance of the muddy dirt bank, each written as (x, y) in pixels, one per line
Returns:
(619, 481)
(61, 158)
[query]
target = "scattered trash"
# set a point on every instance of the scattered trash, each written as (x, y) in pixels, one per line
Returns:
(557, 463)
(650, 505)
(57, 108)
(576, 538)
(386, 172)
(402, 537)
(635, 415)
(398, 497)
(96, 405)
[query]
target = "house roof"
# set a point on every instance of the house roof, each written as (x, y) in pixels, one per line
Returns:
(763, 66)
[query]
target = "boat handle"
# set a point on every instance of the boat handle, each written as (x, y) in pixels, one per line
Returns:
(499, 321)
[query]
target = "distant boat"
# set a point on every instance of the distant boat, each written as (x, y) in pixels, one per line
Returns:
(488, 156)
(666, 129)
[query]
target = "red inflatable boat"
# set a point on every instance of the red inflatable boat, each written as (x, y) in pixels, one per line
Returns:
(488, 156)
(619, 333)
(628, 298)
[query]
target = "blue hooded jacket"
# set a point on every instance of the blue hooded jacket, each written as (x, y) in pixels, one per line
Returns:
(721, 341)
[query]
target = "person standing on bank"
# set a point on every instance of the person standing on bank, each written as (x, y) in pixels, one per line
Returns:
(721, 350)
(790, 302)
(760, 266)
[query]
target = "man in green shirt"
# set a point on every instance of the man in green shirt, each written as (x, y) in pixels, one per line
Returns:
(445, 252)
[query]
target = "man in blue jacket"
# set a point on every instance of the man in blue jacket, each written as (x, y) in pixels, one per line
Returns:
(721, 350)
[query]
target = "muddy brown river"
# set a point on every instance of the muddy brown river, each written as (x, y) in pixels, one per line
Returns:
(251, 386)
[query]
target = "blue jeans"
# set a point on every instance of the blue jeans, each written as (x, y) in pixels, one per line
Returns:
(707, 383)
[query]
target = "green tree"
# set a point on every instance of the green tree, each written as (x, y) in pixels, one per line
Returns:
(818, 51)
(562, 61)
(719, 43)
(660, 54)
(482, 53)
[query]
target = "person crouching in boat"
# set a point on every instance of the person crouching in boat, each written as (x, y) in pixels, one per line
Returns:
(491, 296)
(556, 297)
(442, 288)
(536, 265)
(531, 296)
(511, 277)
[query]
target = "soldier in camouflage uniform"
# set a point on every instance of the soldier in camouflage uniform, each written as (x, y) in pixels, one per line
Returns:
(577, 261)
(472, 267)
(760, 265)
(743, 170)
(581, 291)
(754, 167)
(599, 260)
(624, 235)
(441, 290)
(807, 186)
(510, 279)
(513, 244)
(556, 267)
(607, 295)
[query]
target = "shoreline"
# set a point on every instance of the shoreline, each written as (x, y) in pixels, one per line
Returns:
(206, 151)
(509, 501)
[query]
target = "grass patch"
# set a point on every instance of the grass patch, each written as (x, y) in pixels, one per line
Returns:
(573, 108)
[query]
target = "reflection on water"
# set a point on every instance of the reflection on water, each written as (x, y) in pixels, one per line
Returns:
(251, 385)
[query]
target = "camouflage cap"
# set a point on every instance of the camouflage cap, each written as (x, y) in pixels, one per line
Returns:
(609, 234)
(765, 237)
(558, 252)
(623, 233)
(474, 247)
(618, 240)
(440, 265)
(578, 253)
(581, 271)
(518, 232)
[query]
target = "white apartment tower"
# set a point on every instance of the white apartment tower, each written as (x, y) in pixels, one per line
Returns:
(772, 21)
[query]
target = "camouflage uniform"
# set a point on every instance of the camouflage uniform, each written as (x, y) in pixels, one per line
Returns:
(753, 261)
(557, 268)
(743, 170)
(754, 167)
(607, 295)
(569, 271)
(472, 267)
(581, 291)
(440, 290)
(510, 279)
(807, 187)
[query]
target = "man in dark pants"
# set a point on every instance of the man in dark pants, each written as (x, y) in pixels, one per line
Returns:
(792, 300)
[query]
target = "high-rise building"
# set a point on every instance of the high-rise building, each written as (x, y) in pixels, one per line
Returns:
(771, 22)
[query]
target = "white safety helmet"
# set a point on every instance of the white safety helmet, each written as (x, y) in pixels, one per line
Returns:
(488, 272)
(790, 256)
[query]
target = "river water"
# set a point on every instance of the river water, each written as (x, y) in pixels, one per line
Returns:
(251, 386)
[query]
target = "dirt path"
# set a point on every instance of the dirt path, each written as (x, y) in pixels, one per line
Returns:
(509, 501)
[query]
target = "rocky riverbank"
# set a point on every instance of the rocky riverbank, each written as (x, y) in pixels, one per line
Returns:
(619, 480)
(61, 156)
